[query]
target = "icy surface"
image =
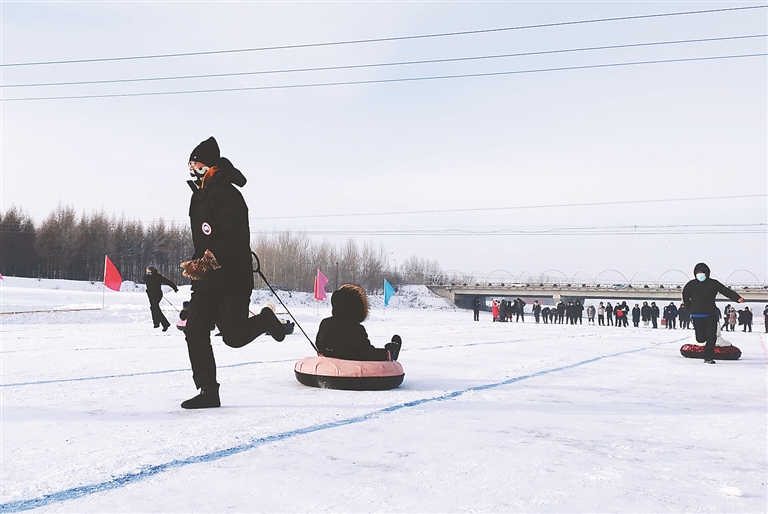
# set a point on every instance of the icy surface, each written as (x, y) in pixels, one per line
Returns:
(491, 417)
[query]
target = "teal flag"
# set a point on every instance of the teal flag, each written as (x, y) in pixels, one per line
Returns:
(388, 292)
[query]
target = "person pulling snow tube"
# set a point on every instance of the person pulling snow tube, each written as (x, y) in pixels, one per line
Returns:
(331, 373)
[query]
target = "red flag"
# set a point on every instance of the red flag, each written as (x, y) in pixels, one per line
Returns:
(112, 278)
(320, 282)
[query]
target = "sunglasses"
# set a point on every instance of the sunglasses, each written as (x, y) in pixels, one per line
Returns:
(203, 169)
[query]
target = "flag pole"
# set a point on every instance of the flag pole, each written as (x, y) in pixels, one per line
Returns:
(103, 282)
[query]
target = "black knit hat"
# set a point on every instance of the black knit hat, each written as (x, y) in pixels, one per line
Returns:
(206, 152)
(701, 267)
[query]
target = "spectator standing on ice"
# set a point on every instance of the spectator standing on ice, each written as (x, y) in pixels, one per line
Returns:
(654, 315)
(520, 313)
(560, 311)
(747, 319)
(221, 270)
(545, 314)
(645, 313)
(591, 314)
(684, 316)
(726, 312)
(765, 318)
(155, 281)
(578, 311)
(476, 308)
(699, 295)
(495, 310)
(636, 315)
(601, 314)
(671, 315)
(620, 315)
(625, 308)
(536, 310)
(609, 313)
(732, 317)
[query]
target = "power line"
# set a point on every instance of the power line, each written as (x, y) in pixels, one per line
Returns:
(387, 39)
(387, 81)
(378, 65)
(518, 207)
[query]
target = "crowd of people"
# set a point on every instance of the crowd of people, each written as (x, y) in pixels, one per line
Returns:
(605, 313)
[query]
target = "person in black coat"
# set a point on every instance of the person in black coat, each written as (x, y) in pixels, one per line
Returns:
(684, 316)
(155, 281)
(536, 310)
(654, 314)
(636, 315)
(578, 312)
(699, 296)
(609, 313)
(746, 319)
(645, 313)
(343, 337)
(670, 315)
(476, 308)
(221, 270)
(545, 314)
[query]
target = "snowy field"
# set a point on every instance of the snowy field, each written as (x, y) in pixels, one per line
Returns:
(491, 417)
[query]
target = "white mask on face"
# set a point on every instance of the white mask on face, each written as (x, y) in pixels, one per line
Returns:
(197, 174)
(701, 277)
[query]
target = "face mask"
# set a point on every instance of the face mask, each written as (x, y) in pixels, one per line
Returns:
(701, 277)
(197, 174)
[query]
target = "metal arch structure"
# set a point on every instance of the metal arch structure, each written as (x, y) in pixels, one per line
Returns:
(652, 281)
(522, 273)
(659, 282)
(591, 280)
(543, 273)
(757, 280)
(488, 276)
(615, 271)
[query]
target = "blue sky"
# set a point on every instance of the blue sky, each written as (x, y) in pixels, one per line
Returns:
(633, 133)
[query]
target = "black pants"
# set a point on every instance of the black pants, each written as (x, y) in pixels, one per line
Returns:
(477, 315)
(706, 332)
(228, 312)
(601, 319)
(609, 319)
(158, 318)
(536, 315)
(747, 326)
(655, 322)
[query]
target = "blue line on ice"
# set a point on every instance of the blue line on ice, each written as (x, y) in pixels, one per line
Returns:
(150, 471)
(124, 375)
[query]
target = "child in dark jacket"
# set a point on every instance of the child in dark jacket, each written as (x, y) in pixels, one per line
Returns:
(343, 337)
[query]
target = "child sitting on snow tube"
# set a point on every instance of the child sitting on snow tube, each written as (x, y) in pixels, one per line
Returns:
(343, 337)
(346, 358)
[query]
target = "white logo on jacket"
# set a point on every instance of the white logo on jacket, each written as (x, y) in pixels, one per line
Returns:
(207, 228)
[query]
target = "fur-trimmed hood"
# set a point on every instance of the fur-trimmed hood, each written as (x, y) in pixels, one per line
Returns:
(350, 302)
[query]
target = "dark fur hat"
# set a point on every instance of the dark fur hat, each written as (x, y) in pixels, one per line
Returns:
(350, 302)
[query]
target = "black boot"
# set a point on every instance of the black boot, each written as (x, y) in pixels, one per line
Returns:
(274, 326)
(394, 346)
(208, 398)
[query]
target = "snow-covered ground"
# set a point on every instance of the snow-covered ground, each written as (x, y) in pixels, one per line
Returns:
(491, 416)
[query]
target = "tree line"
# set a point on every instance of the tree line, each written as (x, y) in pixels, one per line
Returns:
(68, 245)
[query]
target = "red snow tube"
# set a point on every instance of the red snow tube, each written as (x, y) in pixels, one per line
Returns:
(724, 353)
(330, 373)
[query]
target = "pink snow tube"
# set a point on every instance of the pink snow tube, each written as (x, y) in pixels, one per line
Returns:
(181, 324)
(332, 373)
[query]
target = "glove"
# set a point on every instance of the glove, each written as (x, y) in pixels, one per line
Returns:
(197, 269)
(175, 289)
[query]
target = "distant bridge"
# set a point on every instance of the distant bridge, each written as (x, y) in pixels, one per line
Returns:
(463, 294)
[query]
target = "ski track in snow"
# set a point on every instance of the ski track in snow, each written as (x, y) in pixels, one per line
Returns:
(152, 470)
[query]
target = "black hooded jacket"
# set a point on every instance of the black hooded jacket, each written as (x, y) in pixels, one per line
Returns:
(219, 220)
(699, 297)
(342, 336)
(154, 282)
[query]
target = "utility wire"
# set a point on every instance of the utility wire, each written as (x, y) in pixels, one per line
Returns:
(378, 65)
(518, 207)
(388, 39)
(386, 81)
